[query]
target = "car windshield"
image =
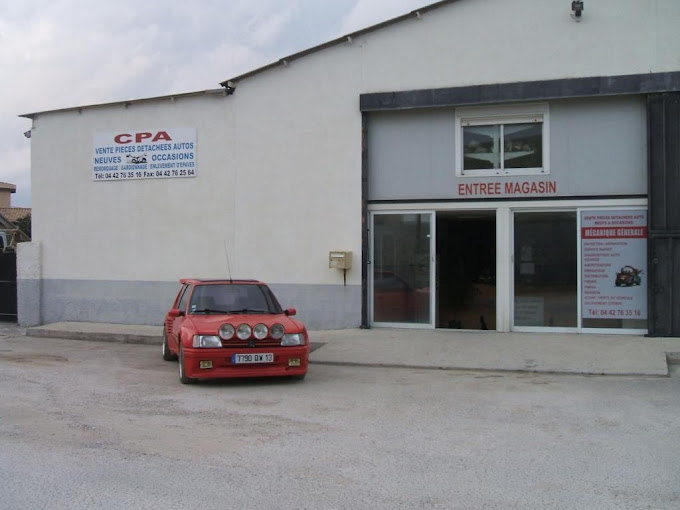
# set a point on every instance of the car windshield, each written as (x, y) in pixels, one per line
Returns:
(233, 298)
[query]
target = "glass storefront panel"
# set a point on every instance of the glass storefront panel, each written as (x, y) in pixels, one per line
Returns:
(401, 268)
(545, 269)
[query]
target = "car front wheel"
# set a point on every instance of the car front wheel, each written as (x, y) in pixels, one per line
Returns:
(182, 372)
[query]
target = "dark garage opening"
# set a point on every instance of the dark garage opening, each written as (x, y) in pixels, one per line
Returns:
(466, 270)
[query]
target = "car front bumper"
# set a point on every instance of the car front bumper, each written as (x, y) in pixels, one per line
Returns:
(222, 365)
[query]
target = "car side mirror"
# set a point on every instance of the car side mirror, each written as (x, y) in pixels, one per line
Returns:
(175, 312)
(290, 312)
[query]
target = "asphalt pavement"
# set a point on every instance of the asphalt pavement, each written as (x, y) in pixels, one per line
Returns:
(94, 425)
(622, 355)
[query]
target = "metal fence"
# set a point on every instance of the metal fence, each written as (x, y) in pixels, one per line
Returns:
(8, 287)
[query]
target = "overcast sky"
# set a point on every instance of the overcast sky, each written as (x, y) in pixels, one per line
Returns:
(61, 53)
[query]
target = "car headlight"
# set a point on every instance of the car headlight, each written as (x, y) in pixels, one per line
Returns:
(277, 331)
(293, 339)
(207, 341)
(260, 331)
(244, 331)
(227, 331)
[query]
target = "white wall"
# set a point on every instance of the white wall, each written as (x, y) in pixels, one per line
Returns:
(131, 230)
(496, 41)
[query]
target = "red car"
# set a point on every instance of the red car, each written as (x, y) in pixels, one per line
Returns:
(233, 328)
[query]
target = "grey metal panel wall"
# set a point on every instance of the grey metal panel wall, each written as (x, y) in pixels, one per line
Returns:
(663, 112)
(597, 148)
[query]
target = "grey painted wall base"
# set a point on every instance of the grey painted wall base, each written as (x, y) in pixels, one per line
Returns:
(145, 303)
(322, 306)
(28, 303)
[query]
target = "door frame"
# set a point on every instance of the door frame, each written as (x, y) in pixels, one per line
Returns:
(504, 245)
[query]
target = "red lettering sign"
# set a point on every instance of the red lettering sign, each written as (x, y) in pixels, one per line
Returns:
(510, 188)
(122, 138)
(633, 232)
(140, 137)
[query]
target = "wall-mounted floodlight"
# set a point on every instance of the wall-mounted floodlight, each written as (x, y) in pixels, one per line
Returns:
(27, 134)
(577, 9)
(229, 87)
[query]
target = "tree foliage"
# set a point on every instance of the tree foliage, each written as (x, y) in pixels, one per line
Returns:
(24, 224)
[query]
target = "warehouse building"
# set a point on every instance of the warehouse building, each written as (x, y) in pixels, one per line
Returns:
(474, 164)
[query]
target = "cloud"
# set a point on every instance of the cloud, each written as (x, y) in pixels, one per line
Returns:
(14, 172)
(63, 53)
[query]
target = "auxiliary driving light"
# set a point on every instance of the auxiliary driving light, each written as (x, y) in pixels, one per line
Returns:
(260, 331)
(294, 362)
(205, 364)
(244, 331)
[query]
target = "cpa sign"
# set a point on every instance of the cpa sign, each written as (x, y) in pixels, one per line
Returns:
(167, 152)
(125, 138)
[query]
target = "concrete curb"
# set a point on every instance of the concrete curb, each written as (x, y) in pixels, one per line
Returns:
(470, 352)
(518, 370)
(98, 334)
(673, 358)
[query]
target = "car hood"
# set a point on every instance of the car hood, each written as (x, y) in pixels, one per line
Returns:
(210, 324)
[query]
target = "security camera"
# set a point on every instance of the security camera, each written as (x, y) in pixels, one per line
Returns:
(576, 9)
(27, 134)
(230, 87)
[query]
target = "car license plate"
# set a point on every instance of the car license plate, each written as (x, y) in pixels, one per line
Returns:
(266, 357)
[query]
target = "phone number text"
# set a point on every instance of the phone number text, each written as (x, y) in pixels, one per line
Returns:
(145, 174)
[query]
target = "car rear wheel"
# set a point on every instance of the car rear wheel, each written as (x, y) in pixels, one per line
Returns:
(182, 373)
(167, 355)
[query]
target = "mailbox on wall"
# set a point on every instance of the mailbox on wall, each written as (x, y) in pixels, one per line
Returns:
(340, 260)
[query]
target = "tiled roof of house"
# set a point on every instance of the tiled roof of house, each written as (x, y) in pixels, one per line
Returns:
(15, 213)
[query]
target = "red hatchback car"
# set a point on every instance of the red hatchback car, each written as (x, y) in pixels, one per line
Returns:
(233, 328)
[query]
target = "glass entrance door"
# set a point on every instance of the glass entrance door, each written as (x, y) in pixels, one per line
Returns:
(402, 269)
(545, 270)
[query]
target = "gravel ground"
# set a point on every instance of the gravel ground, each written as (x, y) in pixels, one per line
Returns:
(94, 425)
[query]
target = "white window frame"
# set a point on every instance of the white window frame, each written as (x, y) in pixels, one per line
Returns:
(500, 115)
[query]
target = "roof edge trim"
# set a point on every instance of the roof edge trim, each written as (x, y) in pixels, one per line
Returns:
(127, 102)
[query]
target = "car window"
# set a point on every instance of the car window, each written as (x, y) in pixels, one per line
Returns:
(232, 298)
(182, 305)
